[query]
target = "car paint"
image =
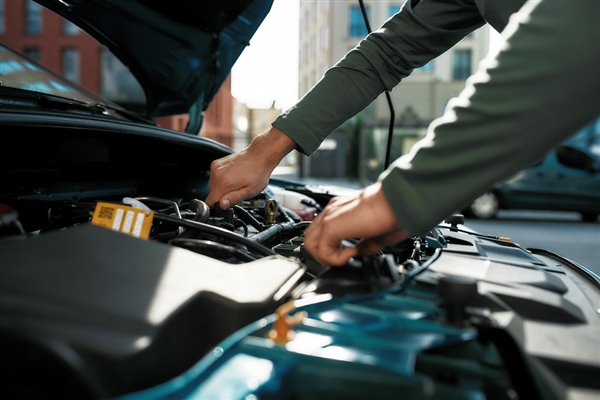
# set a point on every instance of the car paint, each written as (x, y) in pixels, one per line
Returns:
(551, 185)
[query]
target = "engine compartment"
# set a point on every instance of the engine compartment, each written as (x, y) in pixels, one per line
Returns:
(79, 298)
(110, 314)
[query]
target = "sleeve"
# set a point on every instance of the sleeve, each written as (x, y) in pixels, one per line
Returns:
(421, 31)
(541, 88)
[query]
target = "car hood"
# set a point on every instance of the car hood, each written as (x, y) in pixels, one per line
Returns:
(180, 51)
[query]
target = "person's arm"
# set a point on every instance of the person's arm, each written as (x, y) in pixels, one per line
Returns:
(542, 87)
(410, 39)
(244, 174)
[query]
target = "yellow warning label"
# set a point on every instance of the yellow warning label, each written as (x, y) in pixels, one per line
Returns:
(130, 220)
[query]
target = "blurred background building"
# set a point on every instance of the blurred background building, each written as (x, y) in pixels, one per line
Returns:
(249, 122)
(328, 30)
(60, 46)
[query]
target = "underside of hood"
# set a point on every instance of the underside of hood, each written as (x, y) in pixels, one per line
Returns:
(180, 51)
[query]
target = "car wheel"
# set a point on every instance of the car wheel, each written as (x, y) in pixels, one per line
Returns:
(589, 217)
(485, 206)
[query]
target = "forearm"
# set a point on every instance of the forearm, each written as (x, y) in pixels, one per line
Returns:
(544, 88)
(270, 147)
(408, 40)
(346, 89)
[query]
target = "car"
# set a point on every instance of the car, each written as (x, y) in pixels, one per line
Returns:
(118, 281)
(567, 179)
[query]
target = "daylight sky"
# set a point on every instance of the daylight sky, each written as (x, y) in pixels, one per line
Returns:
(267, 70)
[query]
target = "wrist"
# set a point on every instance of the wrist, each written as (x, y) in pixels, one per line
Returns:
(272, 146)
(380, 208)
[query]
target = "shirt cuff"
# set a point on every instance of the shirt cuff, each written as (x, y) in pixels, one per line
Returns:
(305, 142)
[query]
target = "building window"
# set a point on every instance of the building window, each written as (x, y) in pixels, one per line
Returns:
(425, 68)
(393, 10)
(358, 27)
(70, 64)
(1, 17)
(33, 53)
(69, 28)
(461, 64)
(33, 18)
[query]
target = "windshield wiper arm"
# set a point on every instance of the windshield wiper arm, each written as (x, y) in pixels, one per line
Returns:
(17, 96)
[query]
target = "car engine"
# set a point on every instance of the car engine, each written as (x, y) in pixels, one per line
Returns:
(90, 312)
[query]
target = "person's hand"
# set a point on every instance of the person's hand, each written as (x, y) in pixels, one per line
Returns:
(366, 215)
(243, 175)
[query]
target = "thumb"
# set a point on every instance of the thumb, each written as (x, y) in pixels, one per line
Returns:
(369, 247)
(341, 256)
(211, 199)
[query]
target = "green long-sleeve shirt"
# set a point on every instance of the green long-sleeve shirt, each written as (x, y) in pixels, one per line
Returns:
(542, 86)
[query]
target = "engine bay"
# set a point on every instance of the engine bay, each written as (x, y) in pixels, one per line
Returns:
(203, 274)
(111, 314)
(97, 291)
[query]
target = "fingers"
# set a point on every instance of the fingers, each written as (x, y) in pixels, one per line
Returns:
(312, 235)
(321, 240)
(217, 181)
(233, 198)
(211, 199)
(338, 256)
(244, 174)
(369, 247)
(325, 248)
(366, 215)
(233, 179)
(372, 246)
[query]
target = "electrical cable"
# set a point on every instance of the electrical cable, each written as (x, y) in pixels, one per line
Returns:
(199, 244)
(219, 232)
(280, 229)
(248, 218)
(388, 97)
(239, 222)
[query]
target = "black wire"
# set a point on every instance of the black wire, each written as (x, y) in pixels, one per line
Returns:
(388, 97)
(412, 274)
(219, 232)
(239, 222)
(388, 149)
(276, 230)
(363, 10)
(200, 245)
(245, 216)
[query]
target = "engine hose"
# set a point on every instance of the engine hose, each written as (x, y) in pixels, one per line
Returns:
(219, 232)
(203, 245)
(241, 223)
(248, 218)
(278, 230)
(290, 215)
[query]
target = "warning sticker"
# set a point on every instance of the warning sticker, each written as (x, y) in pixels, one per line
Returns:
(130, 220)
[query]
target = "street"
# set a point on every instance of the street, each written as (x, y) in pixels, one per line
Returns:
(560, 232)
